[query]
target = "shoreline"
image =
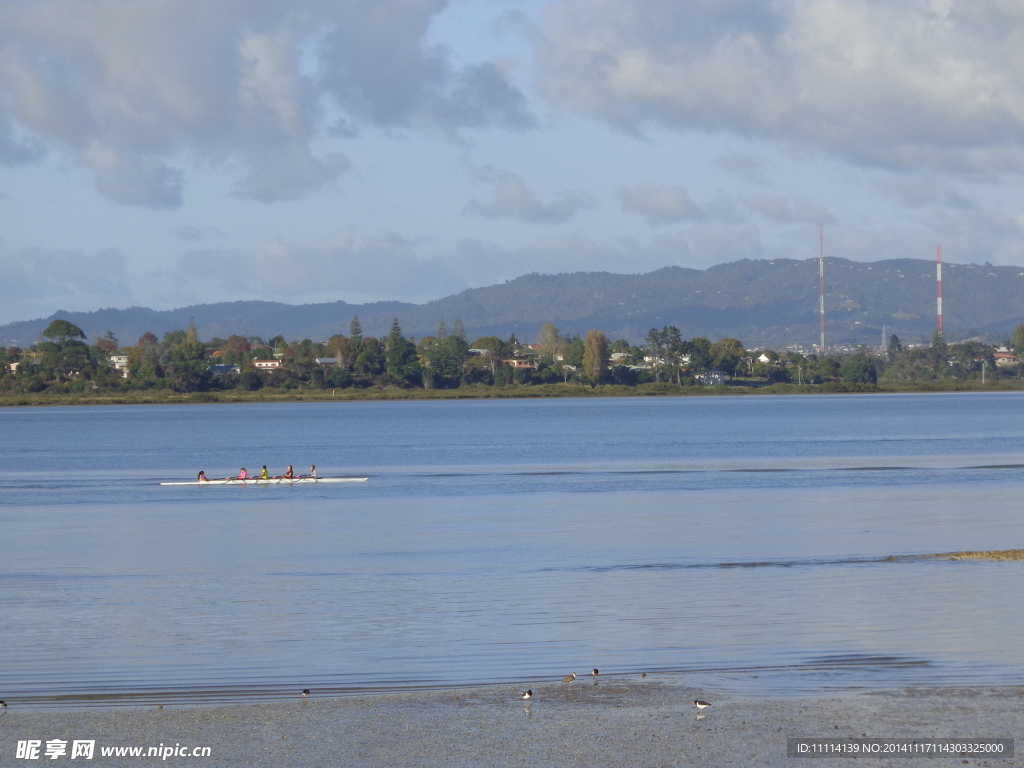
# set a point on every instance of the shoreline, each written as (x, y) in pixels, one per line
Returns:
(622, 721)
(483, 392)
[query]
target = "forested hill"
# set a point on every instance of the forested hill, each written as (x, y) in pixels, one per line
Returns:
(759, 302)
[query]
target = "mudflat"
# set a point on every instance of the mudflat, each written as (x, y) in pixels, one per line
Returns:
(620, 721)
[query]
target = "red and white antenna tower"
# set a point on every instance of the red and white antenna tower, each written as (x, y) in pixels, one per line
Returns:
(821, 281)
(938, 287)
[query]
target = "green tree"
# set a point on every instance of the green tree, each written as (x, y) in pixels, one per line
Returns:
(402, 365)
(250, 380)
(675, 350)
(442, 358)
(341, 347)
(726, 355)
(656, 349)
(237, 351)
(895, 347)
(699, 351)
(61, 331)
(371, 360)
(595, 356)
(108, 344)
(187, 371)
(966, 359)
(550, 343)
(668, 350)
(497, 351)
(574, 349)
(858, 368)
(173, 338)
(458, 347)
(144, 360)
(1018, 340)
(66, 355)
(68, 358)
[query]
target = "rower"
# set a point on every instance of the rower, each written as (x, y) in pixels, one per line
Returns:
(264, 475)
(242, 475)
(312, 472)
(202, 477)
(289, 473)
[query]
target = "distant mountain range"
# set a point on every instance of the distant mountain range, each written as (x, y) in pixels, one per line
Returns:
(772, 303)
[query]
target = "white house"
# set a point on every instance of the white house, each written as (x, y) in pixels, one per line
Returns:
(120, 363)
(218, 370)
(713, 378)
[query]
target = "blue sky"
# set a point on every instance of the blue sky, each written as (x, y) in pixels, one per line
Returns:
(170, 152)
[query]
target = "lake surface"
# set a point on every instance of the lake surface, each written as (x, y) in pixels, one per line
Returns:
(741, 541)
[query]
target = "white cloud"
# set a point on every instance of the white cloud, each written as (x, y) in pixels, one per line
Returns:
(134, 179)
(919, 190)
(512, 199)
(781, 209)
(659, 203)
(907, 83)
(344, 266)
(746, 166)
(35, 283)
(192, 234)
(289, 173)
(140, 92)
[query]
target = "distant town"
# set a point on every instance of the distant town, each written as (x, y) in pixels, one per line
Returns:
(66, 363)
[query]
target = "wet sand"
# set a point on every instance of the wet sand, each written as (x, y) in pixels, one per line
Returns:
(620, 722)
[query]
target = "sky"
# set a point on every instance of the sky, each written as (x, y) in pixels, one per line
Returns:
(164, 153)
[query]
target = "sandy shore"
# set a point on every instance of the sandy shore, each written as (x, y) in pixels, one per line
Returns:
(1001, 554)
(620, 722)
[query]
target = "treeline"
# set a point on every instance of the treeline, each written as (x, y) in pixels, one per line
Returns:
(181, 362)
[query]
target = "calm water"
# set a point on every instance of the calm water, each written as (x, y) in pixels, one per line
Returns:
(742, 541)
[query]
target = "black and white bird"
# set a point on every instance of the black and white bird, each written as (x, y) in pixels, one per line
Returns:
(595, 673)
(569, 678)
(305, 693)
(3, 706)
(528, 695)
(700, 705)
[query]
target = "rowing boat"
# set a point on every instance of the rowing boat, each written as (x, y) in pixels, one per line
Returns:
(273, 481)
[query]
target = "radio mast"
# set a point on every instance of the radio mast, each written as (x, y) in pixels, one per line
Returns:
(821, 285)
(938, 288)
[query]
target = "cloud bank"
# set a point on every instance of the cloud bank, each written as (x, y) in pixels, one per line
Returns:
(909, 83)
(138, 91)
(35, 283)
(512, 199)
